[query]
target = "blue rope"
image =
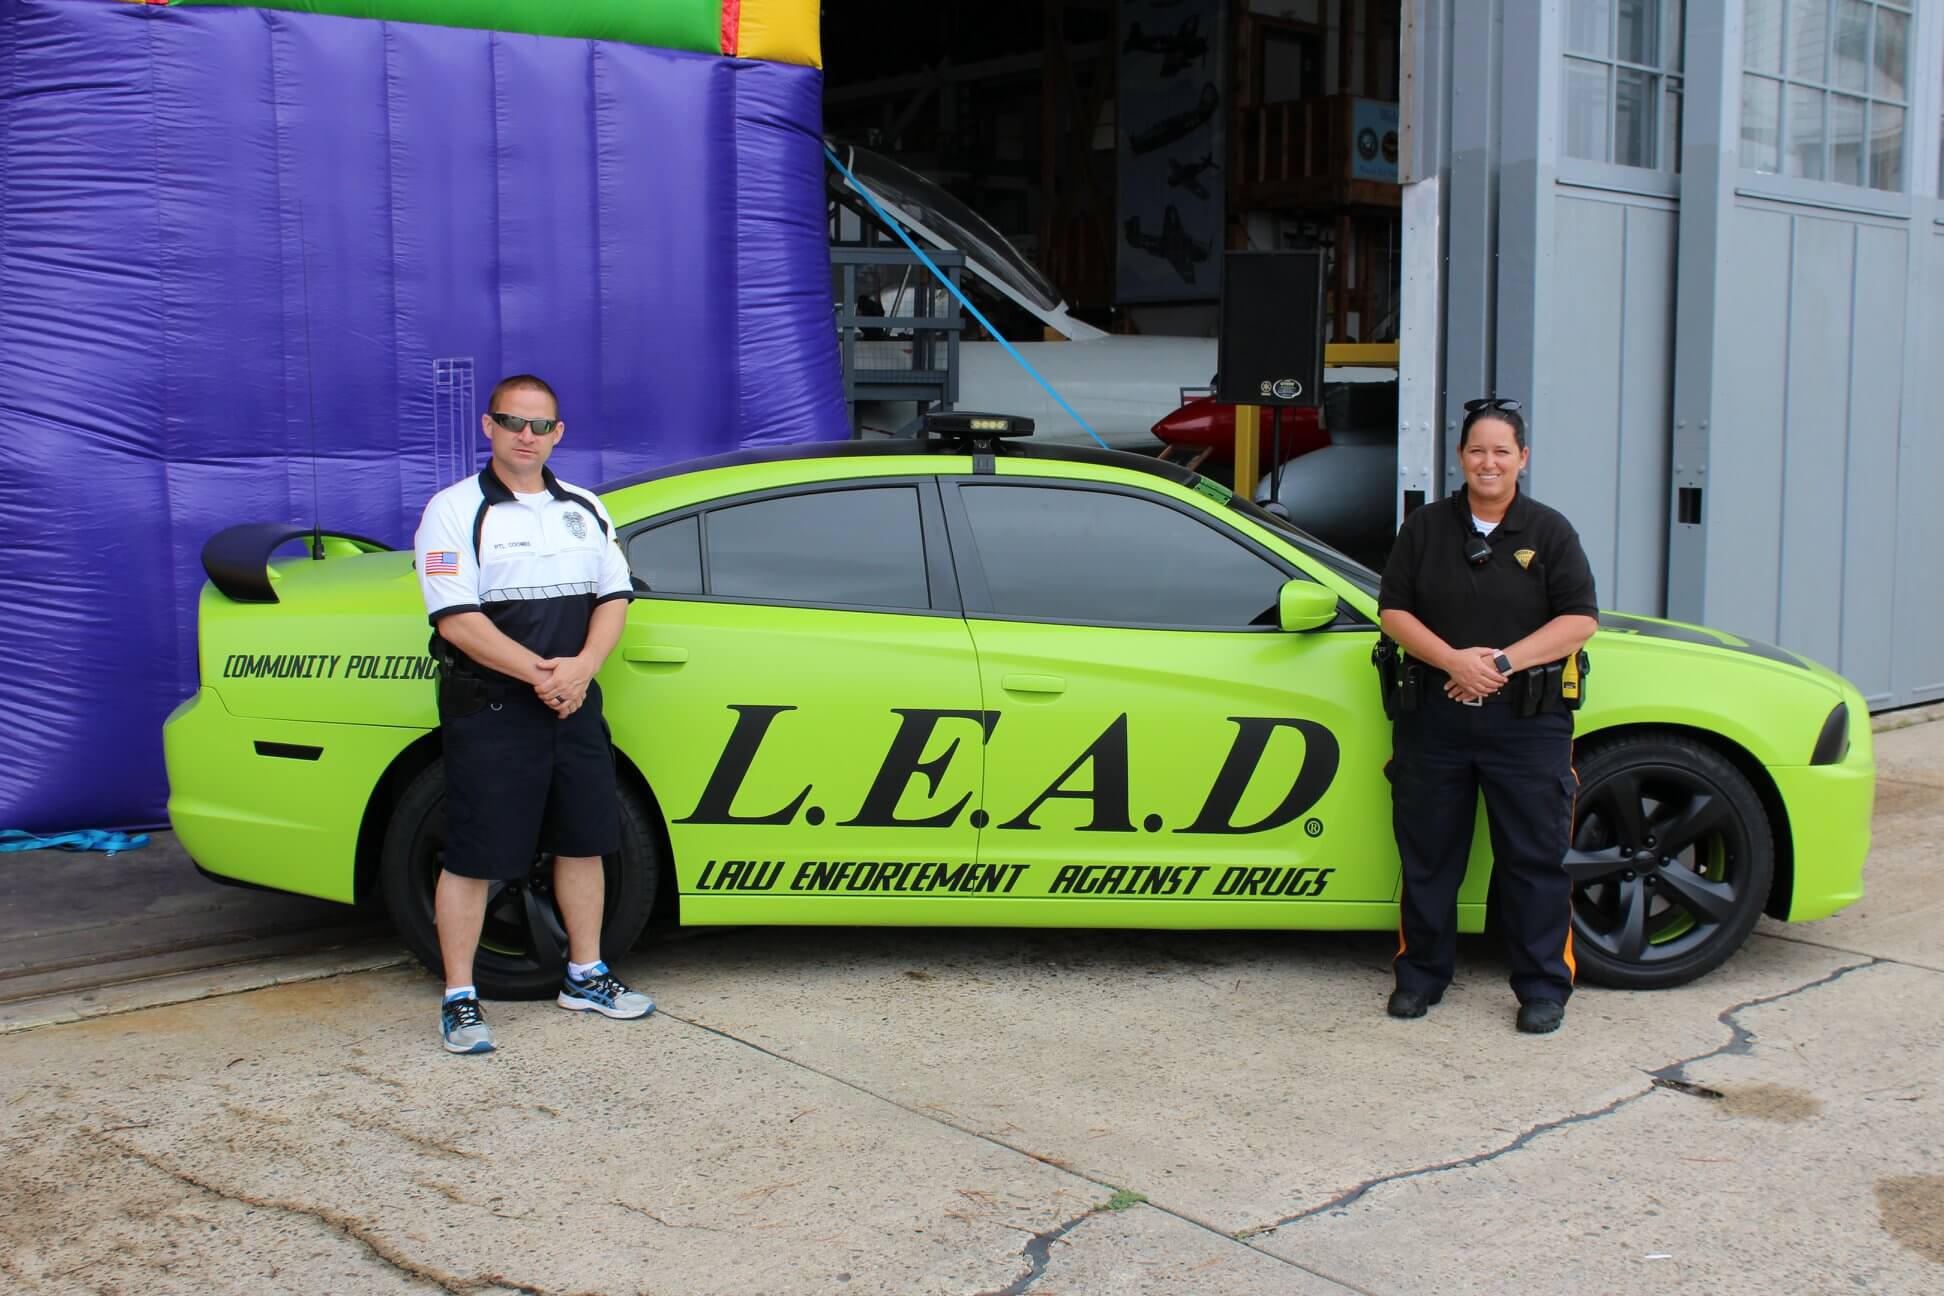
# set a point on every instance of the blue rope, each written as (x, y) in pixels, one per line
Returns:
(964, 301)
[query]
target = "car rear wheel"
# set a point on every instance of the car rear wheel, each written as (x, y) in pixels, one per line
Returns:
(523, 944)
(1671, 859)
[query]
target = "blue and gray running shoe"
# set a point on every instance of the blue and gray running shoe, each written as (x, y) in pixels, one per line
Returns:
(602, 992)
(465, 1030)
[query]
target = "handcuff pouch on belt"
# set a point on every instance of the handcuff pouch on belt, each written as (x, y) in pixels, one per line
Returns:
(1400, 680)
(1553, 688)
(462, 691)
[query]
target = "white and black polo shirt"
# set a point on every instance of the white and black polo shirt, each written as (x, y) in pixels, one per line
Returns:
(536, 564)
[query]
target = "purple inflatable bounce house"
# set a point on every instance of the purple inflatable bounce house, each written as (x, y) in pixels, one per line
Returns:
(264, 266)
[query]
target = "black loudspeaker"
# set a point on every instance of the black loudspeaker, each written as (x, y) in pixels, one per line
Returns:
(1270, 347)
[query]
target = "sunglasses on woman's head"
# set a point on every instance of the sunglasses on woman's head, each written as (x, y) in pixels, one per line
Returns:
(1505, 403)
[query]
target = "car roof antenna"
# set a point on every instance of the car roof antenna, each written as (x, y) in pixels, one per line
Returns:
(310, 388)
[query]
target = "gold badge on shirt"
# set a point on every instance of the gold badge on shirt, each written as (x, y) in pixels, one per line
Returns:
(1525, 557)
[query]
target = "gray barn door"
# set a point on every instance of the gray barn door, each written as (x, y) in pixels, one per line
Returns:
(1807, 465)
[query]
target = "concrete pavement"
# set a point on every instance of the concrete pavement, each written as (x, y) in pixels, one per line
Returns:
(1044, 1112)
(85, 935)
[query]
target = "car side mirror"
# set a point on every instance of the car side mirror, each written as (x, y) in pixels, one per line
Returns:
(1305, 605)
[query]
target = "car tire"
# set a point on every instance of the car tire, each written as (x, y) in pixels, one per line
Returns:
(523, 948)
(1671, 856)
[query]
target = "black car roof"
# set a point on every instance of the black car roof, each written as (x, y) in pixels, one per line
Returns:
(899, 446)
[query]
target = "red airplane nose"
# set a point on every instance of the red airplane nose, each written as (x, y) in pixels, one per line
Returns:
(1201, 424)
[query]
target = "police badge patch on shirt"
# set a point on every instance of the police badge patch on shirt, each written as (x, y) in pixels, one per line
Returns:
(1525, 557)
(576, 524)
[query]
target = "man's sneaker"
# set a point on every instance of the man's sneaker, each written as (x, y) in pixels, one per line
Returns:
(465, 1030)
(602, 992)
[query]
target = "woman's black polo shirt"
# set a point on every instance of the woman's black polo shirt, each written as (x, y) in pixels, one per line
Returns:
(1538, 571)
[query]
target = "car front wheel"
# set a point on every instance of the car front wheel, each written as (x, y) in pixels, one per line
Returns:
(523, 944)
(1671, 859)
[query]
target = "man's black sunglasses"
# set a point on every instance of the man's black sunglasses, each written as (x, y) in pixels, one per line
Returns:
(513, 423)
(1492, 403)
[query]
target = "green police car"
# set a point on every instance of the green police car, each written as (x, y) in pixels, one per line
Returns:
(964, 680)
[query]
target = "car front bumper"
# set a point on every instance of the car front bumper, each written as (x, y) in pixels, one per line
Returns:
(1829, 809)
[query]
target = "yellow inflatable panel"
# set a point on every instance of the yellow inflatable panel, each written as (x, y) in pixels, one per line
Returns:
(784, 31)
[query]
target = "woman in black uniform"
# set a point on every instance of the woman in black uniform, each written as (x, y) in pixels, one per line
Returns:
(1481, 589)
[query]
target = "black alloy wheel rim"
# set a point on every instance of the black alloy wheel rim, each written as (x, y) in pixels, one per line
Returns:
(523, 930)
(1659, 863)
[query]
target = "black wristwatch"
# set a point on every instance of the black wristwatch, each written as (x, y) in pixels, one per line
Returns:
(1503, 663)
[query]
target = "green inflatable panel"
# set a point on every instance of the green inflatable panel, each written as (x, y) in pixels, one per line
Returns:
(664, 24)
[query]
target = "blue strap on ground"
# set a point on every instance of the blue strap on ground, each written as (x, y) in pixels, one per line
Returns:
(964, 301)
(87, 839)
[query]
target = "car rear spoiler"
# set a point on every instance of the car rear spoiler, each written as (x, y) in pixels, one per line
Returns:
(237, 558)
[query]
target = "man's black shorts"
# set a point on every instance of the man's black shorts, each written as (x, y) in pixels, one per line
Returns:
(519, 779)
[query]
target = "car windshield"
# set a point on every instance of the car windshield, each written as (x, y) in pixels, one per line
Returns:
(1341, 563)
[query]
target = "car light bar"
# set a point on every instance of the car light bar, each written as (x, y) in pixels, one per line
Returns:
(961, 423)
(979, 435)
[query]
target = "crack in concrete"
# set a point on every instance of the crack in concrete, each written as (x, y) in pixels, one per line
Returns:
(1038, 1253)
(351, 1227)
(375, 1125)
(1054, 1162)
(1740, 1041)
(1790, 937)
(1352, 1195)
(643, 1210)
(379, 1076)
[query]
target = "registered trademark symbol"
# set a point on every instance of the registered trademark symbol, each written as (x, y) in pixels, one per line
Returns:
(1314, 827)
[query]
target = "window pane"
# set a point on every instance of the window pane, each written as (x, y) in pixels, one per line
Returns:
(1850, 66)
(1808, 38)
(1804, 155)
(1587, 24)
(1676, 36)
(1638, 38)
(1892, 56)
(1633, 118)
(1091, 556)
(1845, 140)
(1886, 147)
(1586, 110)
(1762, 36)
(1806, 133)
(1761, 123)
(668, 558)
(859, 548)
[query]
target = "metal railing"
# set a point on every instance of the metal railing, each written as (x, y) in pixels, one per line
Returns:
(909, 356)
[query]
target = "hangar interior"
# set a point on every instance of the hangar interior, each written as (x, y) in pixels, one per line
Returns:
(1703, 242)
(1017, 108)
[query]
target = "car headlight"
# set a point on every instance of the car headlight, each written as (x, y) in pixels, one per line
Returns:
(1832, 744)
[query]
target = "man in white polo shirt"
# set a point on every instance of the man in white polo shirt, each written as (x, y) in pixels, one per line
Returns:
(527, 591)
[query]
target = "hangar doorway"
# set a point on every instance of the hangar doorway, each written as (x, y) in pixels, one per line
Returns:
(1123, 149)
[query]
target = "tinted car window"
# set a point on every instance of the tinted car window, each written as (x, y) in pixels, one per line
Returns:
(1341, 563)
(668, 558)
(856, 548)
(1096, 556)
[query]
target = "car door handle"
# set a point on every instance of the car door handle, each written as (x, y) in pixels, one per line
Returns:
(1033, 683)
(663, 654)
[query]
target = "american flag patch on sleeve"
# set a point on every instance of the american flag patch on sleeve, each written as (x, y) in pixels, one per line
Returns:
(442, 562)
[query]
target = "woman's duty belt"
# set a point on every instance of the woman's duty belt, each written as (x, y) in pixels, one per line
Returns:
(1407, 685)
